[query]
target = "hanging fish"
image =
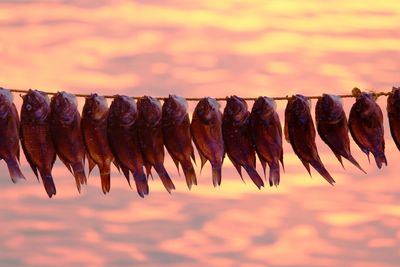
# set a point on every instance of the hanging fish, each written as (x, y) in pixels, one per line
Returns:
(333, 128)
(266, 131)
(300, 133)
(9, 132)
(177, 136)
(123, 140)
(366, 127)
(237, 138)
(206, 129)
(393, 110)
(36, 137)
(94, 132)
(67, 135)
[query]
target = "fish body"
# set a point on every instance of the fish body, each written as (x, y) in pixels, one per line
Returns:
(151, 138)
(237, 138)
(366, 127)
(393, 110)
(177, 136)
(67, 135)
(124, 143)
(300, 132)
(266, 131)
(94, 132)
(9, 132)
(36, 137)
(333, 128)
(206, 130)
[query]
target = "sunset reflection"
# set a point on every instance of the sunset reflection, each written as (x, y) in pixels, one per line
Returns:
(195, 49)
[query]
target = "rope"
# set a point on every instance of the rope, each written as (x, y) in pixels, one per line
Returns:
(356, 92)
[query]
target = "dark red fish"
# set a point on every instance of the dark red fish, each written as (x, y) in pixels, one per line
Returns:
(94, 132)
(366, 127)
(393, 110)
(206, 129)
(266, 131)
(177, 136)
(9, 132)
(151, 138)
(237, 138)
(123, 139)
(333, 128)
(300, 132)
(67, 135)
(36, 137)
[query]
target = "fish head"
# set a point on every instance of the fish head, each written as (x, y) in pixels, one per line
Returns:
(236, 109)
(124, 109)
(264, 107)
(6, 100)
(207, 108)
(36, 105)
(64, 105)
(95, 106)
(300, 106)
(175, 106)
(150, 110)
(366, 104)
(330, 108)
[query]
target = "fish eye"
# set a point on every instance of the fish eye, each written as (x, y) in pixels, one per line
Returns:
(28, 107)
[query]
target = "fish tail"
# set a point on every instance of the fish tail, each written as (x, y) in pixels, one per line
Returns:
(49, 185)
(355, 163)
(380, 159)
(142, 187)
(274, 174)
(79, 174)
(190, 174)
(317, 164)
(216, 174)
(105, 181)
(255, 177)
(14, 170)
(164, 176)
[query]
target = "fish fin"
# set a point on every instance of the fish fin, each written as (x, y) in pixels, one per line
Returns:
(193, 157)
(190, 174)
(264, 165)
(142, 187)
(281, 160)
(49, 185)
(28, 158)
(339, 157)
(216, 174)
(79, 174)
(92, 164)
(203, 161)
(116, 164)
(239, 170)
(380, 159)
(307, 166)
(164, 176)
(355, 163)
(176, 164)
(255, 177)
(105, 179)
(14, 170)
(125, 171)
(317, 164)
(274, 175)
(18, 155)
(147, 167)
(66, 163)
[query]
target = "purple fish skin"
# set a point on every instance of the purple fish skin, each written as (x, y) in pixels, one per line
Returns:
(123, 139)
(67, 135)
(9, 132)
(237, 138)
(36, 137)
(94, 132)
(333, 128)
(300, 131)
(266, 132)
(206, 129)
(177, 136)
(366, 127)
(151, 138)
(393, 110)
